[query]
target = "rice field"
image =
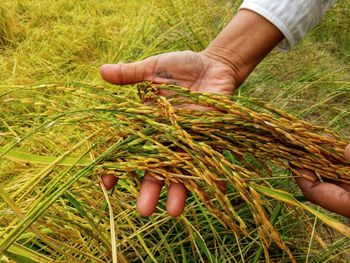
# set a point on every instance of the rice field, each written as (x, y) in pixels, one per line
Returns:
(62, 127)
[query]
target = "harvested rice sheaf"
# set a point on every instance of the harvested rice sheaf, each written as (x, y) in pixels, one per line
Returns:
(241, 143)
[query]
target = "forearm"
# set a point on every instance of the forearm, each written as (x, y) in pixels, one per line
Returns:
(245, 41)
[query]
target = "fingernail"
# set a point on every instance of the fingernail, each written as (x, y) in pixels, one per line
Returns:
(105, 66)
(347, 152)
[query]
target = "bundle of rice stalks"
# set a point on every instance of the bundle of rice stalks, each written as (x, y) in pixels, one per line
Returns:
(243, 142)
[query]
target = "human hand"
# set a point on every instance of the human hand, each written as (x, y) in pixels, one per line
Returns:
(331, 195)
(220, 68)
(197, 71)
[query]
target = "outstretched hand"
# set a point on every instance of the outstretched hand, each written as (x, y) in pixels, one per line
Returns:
(220, 68)
(204, 73)
(199, 72)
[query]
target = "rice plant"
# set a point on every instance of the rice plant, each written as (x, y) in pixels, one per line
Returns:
(243, 144)
(58, 138)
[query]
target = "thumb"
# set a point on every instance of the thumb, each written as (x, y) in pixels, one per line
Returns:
(347, 152)
(128, 73)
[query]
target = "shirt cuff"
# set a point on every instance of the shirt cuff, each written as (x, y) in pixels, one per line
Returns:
(293, 18)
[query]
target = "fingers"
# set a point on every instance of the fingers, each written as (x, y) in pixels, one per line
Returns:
(328, 195)
(149, 195)
(128, 73)
(150, 191)
(177, 194)
(109, 180)
(347, 152)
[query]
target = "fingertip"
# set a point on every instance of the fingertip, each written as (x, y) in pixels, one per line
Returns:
(109, 72)
(104, 68)
(175, 213)
(177, 194)
(304, 183)
(149, 194)
(347, 152)
(109, 181)
(144, 206)
(143, 209)
(128, 73)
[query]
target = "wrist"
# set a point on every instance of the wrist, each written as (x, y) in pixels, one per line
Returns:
(245, 41)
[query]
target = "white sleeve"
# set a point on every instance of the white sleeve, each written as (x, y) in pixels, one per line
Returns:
(294, 18)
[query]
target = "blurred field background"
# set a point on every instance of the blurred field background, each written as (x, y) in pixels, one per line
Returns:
(67, 41)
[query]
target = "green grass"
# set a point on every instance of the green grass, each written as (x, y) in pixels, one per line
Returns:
(50, 41)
